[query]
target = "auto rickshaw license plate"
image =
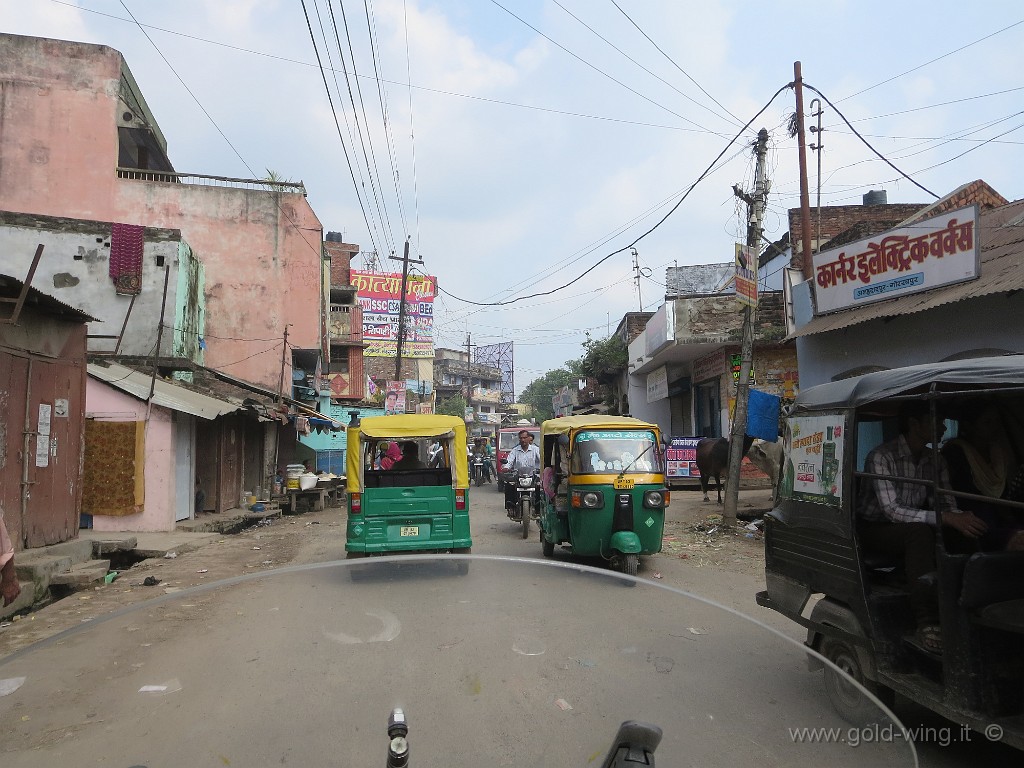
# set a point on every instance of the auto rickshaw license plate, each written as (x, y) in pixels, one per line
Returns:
(410, 530)
(624, 484)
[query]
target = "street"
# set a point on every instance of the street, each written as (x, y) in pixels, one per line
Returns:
(532, 665)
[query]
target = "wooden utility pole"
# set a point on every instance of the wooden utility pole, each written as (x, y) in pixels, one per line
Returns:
(284, 351)
(159, 341)
(755, 215)
(804, 260)
(401, 306)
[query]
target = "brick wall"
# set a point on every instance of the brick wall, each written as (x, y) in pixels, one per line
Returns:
(341, 261)
(382, 369)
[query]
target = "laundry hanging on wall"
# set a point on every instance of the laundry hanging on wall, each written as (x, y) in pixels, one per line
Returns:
(126, 243)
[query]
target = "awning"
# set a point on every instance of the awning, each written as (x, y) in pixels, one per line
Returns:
(301, 408)
(165, 394)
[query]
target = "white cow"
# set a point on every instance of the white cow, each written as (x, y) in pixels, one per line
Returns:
(768, 458)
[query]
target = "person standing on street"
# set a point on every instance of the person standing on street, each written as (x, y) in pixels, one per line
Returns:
(524, 457)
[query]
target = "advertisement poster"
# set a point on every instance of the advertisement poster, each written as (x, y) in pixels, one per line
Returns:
(813, 466)
(746, 276)
(681, 457)
(378, 295)
(394, 398)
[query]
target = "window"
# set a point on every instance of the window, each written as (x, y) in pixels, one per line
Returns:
(339, 361)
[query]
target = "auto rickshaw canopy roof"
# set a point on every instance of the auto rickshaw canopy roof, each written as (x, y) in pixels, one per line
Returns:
(565, 424)
(411, 425)
(990, 372)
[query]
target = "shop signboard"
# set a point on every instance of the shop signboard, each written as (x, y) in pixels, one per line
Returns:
(378, 295)
(709, 367)
(927, 254)
(660, 329)
(657, 384)
(735, 361)
(681, 457)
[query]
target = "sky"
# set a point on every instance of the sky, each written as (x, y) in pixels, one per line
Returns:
(518, 143)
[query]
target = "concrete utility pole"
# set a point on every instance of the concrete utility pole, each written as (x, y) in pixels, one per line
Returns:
(401, 306)
(803, 261)
(755, 214)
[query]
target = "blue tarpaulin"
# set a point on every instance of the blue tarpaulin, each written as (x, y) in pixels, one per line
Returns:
(763, 415)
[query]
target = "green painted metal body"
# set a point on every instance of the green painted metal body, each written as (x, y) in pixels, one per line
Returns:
(591, 531)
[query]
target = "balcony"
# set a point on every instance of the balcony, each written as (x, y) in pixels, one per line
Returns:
(345, 326)
(168, 177)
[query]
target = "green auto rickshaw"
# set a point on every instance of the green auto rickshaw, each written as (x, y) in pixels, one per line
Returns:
(604, 488)
(407, 481)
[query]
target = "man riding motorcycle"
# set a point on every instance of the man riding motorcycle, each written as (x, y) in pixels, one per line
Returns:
(524, 457)
(483, 450)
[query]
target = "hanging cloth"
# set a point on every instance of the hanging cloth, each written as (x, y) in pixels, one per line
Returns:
(126, 242)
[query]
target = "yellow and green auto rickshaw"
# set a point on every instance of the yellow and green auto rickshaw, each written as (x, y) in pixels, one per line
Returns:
(407, 480)
(604, 488)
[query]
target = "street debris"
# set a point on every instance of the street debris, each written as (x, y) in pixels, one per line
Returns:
(696, 631)
(562, 704)
(109, 578)
(10, 685)
(150, 581)
(171, 686)
(656, 575)
(256, 548)
(203, 570)
(170, 555)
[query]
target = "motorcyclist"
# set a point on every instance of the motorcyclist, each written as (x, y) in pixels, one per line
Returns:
(524, 457)
(483, 450)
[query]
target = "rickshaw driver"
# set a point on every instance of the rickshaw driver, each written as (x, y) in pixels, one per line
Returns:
(525, 456)
(893, 518)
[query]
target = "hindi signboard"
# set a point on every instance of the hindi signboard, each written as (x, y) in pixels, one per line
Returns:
(938, 251)
(657, 384)
(378, 297)
(394, 399)
(681, 457)
(746, 276)
(813, 466)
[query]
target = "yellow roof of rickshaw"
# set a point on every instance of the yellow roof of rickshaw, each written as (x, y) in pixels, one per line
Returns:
(410, 425)
(564, 424)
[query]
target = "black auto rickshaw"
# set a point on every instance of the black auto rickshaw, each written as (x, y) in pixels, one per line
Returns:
(862, 619)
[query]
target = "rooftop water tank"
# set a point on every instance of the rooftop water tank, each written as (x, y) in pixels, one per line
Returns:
(875, 197)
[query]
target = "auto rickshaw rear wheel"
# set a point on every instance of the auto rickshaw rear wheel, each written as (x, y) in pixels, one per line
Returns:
(547, 547)
(848, 700)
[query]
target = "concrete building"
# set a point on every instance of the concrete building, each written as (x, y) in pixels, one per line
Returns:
(42, 412)
(82, 143)
(480, 385)
(74, 266)
(683, 368)
(345, 375)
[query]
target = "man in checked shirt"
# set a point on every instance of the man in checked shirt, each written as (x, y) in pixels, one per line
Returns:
(899, 519)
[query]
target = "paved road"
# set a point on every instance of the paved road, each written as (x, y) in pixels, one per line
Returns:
(509, 664)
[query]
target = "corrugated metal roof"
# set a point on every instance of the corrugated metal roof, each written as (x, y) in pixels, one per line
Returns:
(1002, 271)
(165, 393)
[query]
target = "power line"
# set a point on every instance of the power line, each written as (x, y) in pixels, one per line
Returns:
(337, 125)
(412, 125)
(735, 120)
(932, 106)
(867, 144)
(931, 61)
(674, 64)
(661, 221)
(601, 71)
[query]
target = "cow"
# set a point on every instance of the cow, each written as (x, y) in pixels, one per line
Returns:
(768, 458)
(713, 461)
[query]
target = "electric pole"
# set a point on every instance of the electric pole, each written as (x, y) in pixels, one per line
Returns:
(755, 214)
(401, 306)
(803, 261)
(636, 270)
(820, 145)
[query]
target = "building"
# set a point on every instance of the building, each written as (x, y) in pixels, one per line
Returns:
(75, 262)
(345, 377)
(105, 159)
(940, 316)
(683, 369)
(479, 385)
(42, 413)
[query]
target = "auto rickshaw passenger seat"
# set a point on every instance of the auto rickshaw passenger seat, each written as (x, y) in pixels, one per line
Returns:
(993, 589)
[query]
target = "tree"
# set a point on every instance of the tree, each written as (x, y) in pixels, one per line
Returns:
(452, 406)
(538, 393)
(604, 359)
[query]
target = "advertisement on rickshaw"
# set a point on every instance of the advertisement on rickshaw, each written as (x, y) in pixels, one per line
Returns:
(815, 459)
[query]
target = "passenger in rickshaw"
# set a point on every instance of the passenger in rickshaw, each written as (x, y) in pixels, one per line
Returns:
(410, 457)
(981, 461)
(898, 519)
(390, 455)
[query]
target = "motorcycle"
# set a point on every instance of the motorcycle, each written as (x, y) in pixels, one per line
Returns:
(302, 665)
(477, 467)
(528, 505)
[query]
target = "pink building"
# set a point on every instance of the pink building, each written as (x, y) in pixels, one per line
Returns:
(79, 141)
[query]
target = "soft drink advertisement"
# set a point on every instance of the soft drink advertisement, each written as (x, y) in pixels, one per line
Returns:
(681, 457)
(814, 461)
